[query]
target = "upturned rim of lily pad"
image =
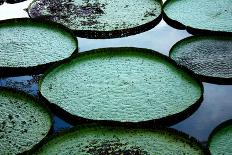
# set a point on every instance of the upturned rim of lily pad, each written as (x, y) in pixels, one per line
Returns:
(218, 128)
(165, 121)
(41, 103)
(204, 78)
(194, 31)
(39, 69)
(94, 34)
(173, 131)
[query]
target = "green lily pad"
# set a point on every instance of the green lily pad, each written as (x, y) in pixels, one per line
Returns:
(24, 122)
(220, 140)
(101, 18)
(121, 84)
(27, 43)
(99, 140)
(199, 15)
(207, 56)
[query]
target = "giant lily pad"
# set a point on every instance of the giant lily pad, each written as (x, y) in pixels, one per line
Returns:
(220, 140)
(27, 43)
(199, 16)
(207, 56)
(121, 84)
(100, 18)
(102, 140)
(24, 122)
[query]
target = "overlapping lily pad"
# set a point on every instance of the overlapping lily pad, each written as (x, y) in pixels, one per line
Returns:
(24, 122)
(208, 56)
(27, 44)
(99, 140)
(220, 140)
(101, 18)
(122, 85)
(199, 16)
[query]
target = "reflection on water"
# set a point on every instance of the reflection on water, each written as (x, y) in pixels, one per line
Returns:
(161, 38)
(215, 109)
(217, 104)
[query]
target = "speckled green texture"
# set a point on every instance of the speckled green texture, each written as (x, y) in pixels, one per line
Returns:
(26, 43)
(121, 84)
(214, 15)
(23, 122)
(205, 55)
(100, 15)
(221, 141)
(100, 140)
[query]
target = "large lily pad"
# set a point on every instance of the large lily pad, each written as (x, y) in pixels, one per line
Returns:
(102, 140)
(208, 56)
(199, 16)
(24, 122)
(121, 84)
(220, 140)
(27, 43)
(100, 18)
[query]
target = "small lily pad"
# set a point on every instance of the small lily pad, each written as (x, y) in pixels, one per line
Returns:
(220, 140)
(27, 43)
(199, 16)
(100, 18)
(105, 140)
(24, 122)
(207, 56)
(121, 84)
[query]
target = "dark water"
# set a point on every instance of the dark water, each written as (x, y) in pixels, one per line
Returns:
(216, 106)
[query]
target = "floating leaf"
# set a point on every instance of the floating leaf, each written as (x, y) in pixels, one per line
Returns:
(99, 140)
(121, 84)
(24, 122)
(100, 18)
(199, 16)
(220, 140)
(207, 56)
(27, 43)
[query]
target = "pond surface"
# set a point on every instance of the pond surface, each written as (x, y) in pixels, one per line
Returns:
(215, 108)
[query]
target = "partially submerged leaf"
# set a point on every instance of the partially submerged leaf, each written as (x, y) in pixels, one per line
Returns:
(199, 16)
(220, 141)
(103, 140)
(121, 84)
(207, 56)
(101, 17)
(27, 43)
(24, 122)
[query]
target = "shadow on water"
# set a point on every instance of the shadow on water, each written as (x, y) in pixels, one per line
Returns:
(215, 108)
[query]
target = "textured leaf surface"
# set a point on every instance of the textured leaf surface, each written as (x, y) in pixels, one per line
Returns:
(121, 84)
(111, 141)
(213, 15)
(101, 15)
(221, 141)
(209, 56)
(26, 43)
(23, 122)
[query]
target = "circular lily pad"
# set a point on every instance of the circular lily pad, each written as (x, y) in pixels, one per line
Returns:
(24, 122)
(199, 16)
(220, 140)
(99, 140)
(27, 43)
(121, 84)
(101, 18)
(207, 56)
